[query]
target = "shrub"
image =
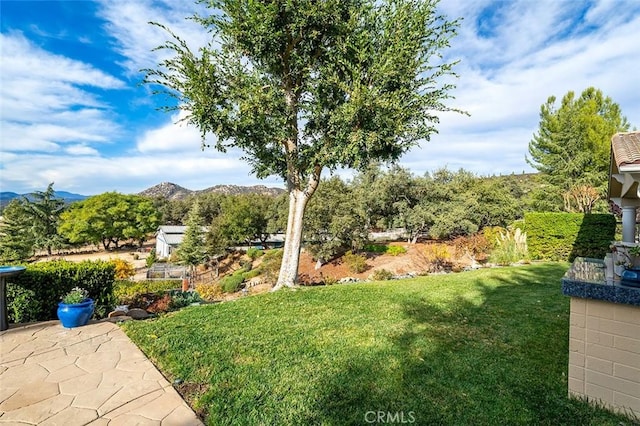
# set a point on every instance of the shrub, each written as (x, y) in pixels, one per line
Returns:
(160, 304)
(492, 235)
(50, 281)
(385, 249)
(565, 236)
(23, 306)
(209, 292)
(329, 280)
(232, 283)
(126, 291)
(375, 248)
(254, 253)
(381, 275)
(180, 299)
(395, 250)
(476, 245)
(270, 266)
(246, 265)
(124, 269)
(251, 274)
(356, 263)
(152, 258)
(511, 248)
(437, 255)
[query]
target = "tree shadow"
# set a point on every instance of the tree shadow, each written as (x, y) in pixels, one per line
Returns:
(498, 357)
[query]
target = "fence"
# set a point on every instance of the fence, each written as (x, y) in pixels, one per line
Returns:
(167, 271)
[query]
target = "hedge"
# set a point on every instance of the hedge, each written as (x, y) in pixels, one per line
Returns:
(34, 295)
(565, 236)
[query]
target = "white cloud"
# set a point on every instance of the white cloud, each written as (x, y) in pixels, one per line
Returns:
(22, 58)
(81, 150)
(45, 100)
(176, 135)
(136, 39)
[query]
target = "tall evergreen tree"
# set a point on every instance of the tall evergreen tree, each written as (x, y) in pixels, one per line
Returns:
(16, 239)
(572, 146)
(43, 209)
(192, 250)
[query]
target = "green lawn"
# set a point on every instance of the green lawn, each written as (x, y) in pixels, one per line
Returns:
(479, 348)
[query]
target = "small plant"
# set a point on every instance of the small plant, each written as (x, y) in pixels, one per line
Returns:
(437, 255)
(271, 265)
(254, 253)
(395, 250)
(375, 248)
(381, 275)
(232, 283)
(151, 259)
(180, 299)
(76, 295)
(209, 292)
(329, 280)
(634, 251)
(356, 263)
(124, 269)
(511, 248)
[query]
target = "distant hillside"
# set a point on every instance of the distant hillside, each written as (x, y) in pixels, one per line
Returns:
(68, 197)
(171, 191)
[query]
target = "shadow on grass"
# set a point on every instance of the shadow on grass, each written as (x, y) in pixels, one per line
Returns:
(497, 358)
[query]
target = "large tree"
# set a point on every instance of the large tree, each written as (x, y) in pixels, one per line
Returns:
(572, 146)
(16, 239)
(43, 210)
(306, 85)
(110, 218)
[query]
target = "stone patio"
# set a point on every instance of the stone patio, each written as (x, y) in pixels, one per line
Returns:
(91, 375)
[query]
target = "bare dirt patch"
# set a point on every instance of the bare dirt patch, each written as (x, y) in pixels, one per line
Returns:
(414, 261)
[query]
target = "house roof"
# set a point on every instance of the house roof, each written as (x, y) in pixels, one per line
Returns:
(626, 149)
(624, 174)
(172, 229)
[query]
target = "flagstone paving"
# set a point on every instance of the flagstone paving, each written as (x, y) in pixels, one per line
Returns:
(91, 375)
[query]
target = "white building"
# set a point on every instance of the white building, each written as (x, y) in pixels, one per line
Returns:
(168, 238)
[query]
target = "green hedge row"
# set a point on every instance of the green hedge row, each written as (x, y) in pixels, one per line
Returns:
(565, 236)
(34, 295)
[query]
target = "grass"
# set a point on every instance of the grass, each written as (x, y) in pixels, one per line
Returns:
(476, 348)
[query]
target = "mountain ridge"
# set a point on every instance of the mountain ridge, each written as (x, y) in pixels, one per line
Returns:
(172, 191)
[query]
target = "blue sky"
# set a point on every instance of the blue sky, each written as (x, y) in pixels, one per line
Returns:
(73, 112)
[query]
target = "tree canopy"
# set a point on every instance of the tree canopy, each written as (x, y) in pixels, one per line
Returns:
(572, 146)
(303, 85)
(110, 218)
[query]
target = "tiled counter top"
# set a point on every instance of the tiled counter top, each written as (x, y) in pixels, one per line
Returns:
(586, 279)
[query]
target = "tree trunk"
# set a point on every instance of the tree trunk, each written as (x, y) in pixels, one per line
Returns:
(293, 240)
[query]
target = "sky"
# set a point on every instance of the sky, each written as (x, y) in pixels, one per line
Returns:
(73, 111)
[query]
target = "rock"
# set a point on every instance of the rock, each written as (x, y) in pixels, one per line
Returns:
(117, 313)
(138, 314)
(118, 319)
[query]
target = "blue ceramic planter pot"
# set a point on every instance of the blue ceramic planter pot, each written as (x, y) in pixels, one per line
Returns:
(75, 314)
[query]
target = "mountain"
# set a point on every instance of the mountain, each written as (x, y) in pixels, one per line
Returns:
(167, 190)
(68, 197)
(171, 191)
